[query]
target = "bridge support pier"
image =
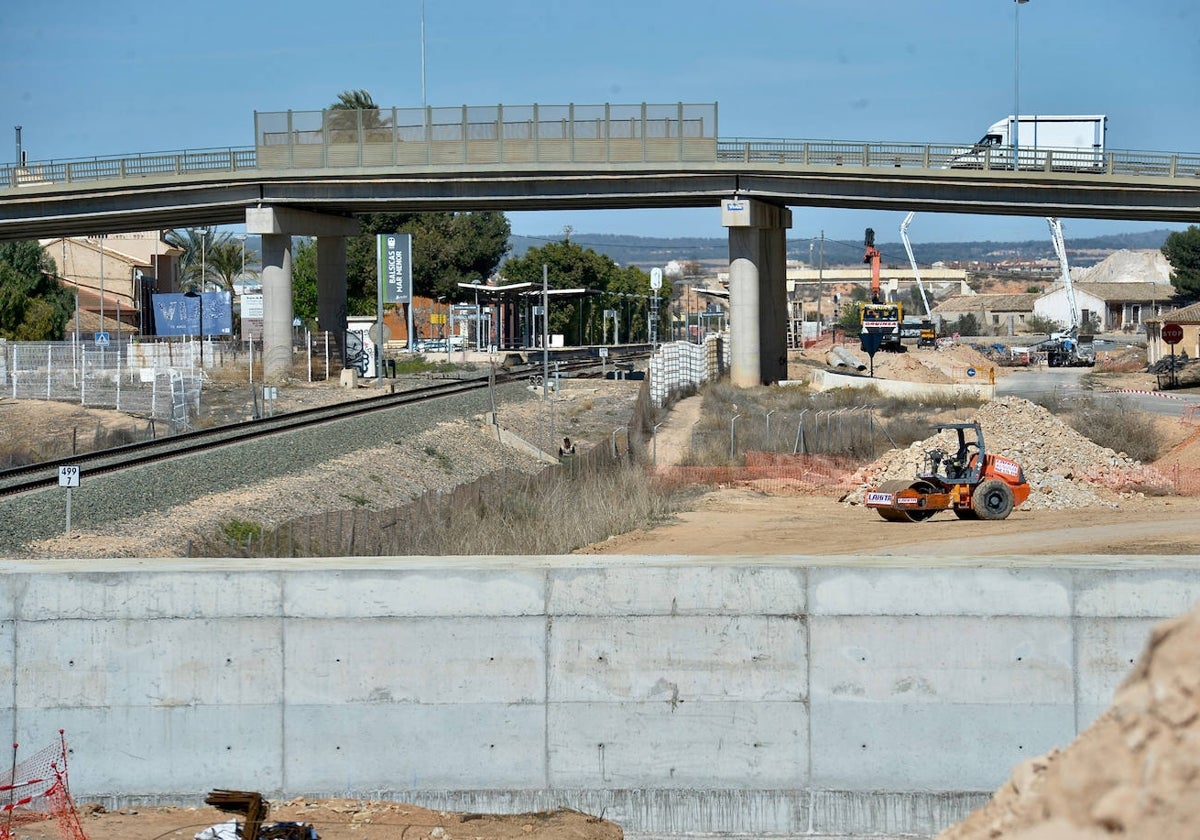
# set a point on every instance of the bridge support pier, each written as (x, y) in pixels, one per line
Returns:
(331, 285)
(757, 290)
(277, 226)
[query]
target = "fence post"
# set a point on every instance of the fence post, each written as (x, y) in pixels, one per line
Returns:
(799, 433)
(49, 367)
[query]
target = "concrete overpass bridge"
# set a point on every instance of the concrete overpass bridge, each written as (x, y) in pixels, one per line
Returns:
(309, 172)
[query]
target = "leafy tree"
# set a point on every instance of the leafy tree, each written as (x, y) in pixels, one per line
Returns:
(1182, 250)
(968, 324)
(1042, 324)
(448, 249)
(569, 266)
(34, 306)
(304, 281)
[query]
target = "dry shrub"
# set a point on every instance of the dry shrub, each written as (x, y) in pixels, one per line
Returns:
(555, 512)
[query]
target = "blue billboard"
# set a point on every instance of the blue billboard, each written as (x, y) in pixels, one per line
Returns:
(180, 314)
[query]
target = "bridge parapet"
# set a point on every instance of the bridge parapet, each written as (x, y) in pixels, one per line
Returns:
(496, 134)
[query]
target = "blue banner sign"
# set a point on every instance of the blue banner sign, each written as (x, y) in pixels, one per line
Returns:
(394, 252)
(180, 314)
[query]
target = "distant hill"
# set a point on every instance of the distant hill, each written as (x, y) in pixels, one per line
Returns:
(649, 251)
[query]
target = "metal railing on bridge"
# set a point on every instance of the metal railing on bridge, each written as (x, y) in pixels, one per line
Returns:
(465, 136)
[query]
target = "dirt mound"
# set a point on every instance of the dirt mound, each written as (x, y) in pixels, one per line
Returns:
(1132, 773)
(1128, 266)
(1065, 469)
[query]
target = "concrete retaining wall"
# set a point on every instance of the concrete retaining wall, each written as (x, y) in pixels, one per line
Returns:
(772, 696)
(824, 380)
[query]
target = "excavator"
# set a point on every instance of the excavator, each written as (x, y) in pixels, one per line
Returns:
(1067, 348)
(879, 320)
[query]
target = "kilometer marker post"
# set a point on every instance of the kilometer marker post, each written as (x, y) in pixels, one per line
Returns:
(68, 477)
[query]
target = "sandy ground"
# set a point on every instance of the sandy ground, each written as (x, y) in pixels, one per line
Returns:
(741, 522)
(335, 820)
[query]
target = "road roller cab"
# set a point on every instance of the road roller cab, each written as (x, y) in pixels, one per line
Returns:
(970, 481)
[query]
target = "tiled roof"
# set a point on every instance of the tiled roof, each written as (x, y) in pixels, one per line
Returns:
(1189, 314)
(989, 303)
(1128, 292)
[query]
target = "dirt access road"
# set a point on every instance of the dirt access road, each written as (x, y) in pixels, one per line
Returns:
(747, 523)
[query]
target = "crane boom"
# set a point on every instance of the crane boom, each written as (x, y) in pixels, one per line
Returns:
(913, 261)
(1060, 248)
(871, 257)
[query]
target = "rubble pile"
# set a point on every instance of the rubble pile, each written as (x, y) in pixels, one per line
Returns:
(1132, 773)
(1064, 469)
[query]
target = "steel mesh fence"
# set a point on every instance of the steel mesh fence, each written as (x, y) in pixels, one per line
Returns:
(160, 380)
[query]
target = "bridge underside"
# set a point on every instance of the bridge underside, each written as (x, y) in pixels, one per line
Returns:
(280, 204)
(223, 197)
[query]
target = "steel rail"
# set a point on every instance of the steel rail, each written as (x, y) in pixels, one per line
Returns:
(45, 474)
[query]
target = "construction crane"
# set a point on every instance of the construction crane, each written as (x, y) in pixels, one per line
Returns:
(1065, 349)
(913, 261)
(928, 337)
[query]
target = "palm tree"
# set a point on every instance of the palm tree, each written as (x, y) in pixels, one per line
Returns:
(197, 244)
(225, 259)
(356, 102)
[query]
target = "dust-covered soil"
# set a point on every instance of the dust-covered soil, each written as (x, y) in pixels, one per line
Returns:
(747, 523)
(336, 819)
(1132, 773)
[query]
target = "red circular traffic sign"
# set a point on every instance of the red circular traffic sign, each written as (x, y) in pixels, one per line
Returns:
(1172, 333)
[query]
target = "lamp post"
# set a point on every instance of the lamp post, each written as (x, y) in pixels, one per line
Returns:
(241, 237)
(1017, 4)
(200, 325)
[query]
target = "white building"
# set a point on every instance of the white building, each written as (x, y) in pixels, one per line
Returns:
(1055, 306)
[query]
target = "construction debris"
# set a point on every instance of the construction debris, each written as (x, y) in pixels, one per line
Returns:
(1064, 468)
(252, 806)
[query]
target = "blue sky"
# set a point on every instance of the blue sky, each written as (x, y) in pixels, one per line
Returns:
(105, 77)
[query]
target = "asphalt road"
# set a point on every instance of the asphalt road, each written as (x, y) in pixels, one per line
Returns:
(1036, 383)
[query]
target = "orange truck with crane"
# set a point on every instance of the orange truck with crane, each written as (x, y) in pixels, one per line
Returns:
(878, 320)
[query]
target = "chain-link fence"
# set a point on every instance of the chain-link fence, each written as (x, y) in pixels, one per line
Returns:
(158, 379)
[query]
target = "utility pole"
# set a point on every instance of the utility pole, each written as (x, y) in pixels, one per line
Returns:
(820, 280)
(545, 331)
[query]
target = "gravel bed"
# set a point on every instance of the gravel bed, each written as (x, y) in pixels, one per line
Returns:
(378, 461)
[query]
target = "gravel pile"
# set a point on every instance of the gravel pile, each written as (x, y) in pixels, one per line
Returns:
(1065, 469)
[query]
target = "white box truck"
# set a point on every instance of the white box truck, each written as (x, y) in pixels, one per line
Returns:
(1071, 143)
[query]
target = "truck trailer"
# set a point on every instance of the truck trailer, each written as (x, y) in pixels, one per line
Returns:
(1071, 143)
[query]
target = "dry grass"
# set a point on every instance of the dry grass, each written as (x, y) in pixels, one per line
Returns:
(854, 423)
(555, 512)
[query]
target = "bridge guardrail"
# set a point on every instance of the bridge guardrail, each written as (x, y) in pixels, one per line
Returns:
(507, 146)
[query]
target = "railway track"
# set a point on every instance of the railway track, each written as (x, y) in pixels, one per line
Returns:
(45, 474)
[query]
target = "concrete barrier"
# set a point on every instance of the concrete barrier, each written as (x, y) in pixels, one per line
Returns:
(824, 380)
(778, 696)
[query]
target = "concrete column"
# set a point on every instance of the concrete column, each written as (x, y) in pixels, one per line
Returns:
(744, 316)
(277, 226)
(277, 306)
(757, 290)
(331, 285)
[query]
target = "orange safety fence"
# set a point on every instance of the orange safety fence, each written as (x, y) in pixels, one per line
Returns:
(768, 471)
(787, 473)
